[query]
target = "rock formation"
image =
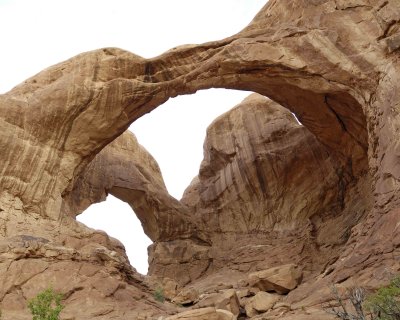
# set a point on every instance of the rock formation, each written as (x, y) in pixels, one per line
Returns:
(126, 170)
(270, 192)
(259, 172)
(256, 196)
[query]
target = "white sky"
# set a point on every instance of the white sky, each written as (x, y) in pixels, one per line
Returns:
(36, 34)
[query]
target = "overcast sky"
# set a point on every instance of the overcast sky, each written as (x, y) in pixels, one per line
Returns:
(36, 34)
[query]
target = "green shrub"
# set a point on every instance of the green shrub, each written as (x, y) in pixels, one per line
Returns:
(159, 295)
(385, 303)
(382, 305)
(46, 305)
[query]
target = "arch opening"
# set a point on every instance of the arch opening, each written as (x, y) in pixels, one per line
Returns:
(315, 189)
(174, 132)
(117, 219)
(127, 171)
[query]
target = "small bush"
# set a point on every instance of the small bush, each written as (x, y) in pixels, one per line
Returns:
(385, 303)
(159, 295)
(46, 305)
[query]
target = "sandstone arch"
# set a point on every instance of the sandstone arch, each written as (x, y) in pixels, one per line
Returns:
(98, 94)
(126, 170)
(334, 63)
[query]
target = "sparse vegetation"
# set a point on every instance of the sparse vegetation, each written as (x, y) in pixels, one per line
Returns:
(159, 295)
(46, 305)
(383, 305)
(356, 296)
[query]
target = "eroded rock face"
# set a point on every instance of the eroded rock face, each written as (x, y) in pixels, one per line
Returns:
(89, 268)
(262, 171)
(333, 63)
(204, 314)
(268, 192)
(225, 300)
(126, 170)
(280, 279)
(306, 63)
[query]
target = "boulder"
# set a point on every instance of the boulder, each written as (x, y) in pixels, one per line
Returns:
(226, 300)
(260, 303)
(187, 296)
(280, 279)
(203, 314)
(264, 301)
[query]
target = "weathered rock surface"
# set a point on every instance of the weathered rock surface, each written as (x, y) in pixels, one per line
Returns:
(126, 170)
(203, 314)
(259, 172)
(280, 279)
(187, 296)
(97, 283)
(257, 199)
(260, 303)
(182, 260)
(333, 63)
(224, 299)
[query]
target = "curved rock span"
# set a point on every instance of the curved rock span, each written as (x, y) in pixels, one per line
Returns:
(270, 192)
